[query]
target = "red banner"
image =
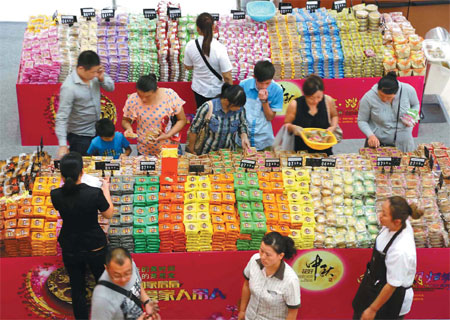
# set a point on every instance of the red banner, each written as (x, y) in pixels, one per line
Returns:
(38, 104)
(208, 285)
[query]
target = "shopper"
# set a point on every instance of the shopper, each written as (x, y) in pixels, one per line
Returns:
(381, 113)
(108, 142)
(226, 119)
(153, 109)
(271, 287)
(312, 110)
(209, 60)
(119, 294)
(82, 240)
(385, 292)
(79, 104)
(264, 100)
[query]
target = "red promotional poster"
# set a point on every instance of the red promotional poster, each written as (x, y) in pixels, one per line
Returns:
(208, 285)
(38, 104)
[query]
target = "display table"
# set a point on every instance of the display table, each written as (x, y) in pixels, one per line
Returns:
(38, 104)
(208, 285)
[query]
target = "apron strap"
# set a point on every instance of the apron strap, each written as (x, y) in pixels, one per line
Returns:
(391, 241)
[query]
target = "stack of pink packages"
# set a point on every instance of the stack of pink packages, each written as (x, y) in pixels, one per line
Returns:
(40, 61)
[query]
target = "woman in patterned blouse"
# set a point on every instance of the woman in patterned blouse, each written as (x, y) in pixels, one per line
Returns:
(227, 120)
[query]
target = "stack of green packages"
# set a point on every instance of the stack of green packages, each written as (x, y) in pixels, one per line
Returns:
(251, 211)
(153, 238)
(186, 31)
(142, 47)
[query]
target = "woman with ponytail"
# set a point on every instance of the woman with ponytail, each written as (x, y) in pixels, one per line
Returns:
(386, 289)
(209, 60)
(271, 287)
(82, 240)
(386, 114)
(158, 113)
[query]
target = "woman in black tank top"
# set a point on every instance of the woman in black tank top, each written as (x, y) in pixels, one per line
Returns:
(311, 111)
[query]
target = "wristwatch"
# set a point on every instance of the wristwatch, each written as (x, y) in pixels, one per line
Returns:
(146, 301)
(264, 101)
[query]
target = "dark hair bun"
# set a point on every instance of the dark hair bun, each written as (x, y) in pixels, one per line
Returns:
(392, 74)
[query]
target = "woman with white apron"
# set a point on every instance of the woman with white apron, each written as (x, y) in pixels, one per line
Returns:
(386, 290)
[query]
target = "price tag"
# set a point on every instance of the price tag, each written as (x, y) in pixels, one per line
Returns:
(313, 162)
(312, 6)
(147, 165)
(238, 15)
(272, 163)
(57, 164)
(174, 13)
(215, 16)
(87, 12)
(70, 20)
(149, 13)
(196, 168)
(384, 161)
(100, 165)
(396, 161)
(329, 163)
(107, 14)
(112, 166)
(339, 5)
(248, 164)
(295, 162)
(285, 7)
(417, 162)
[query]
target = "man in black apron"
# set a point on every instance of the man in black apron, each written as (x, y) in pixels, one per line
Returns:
(372, 285)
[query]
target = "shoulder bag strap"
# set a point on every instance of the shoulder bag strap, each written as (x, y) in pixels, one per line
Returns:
(206, 61)
(398, 115)
(121, 290)
(391, 241)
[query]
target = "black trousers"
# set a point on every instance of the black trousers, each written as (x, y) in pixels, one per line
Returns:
(75, 264)
(200, 100)
(79, 143)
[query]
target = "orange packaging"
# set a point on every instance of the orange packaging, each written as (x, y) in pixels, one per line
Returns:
(177, 207)
(176, 217)
(10, 234)
(38, 201)
(265, 186)
(51, 214)
(48, 202)
(277, 187)
(10, 214)
(25, 211)
(217, 218)
(37, 224)
(217, 187)
(166, 188)
(165, 197)
(177, 197)
(39, 211)
(228, 187)
(50, 226)
(23, 223)
(284, 219)
(285, 230)
(276, 177)
(283, 207)
(11, 223)
(269, 198)
(232, 228)
(228, 209)
(22, 233)
(41, 180)
(164, 207)
(179, 187)
(215, 209)
(12, 206)
(54, 180)
(227, 178)
(271, 217)
(215, 178)
(228, 198)
(263, 176)
(50, 235)
(281, 198)
(37, 236)
(164, 217)
(25, 201)
(219, 228)
(273, 228)
(229, 217)
(270, 207)
(40, 189)
(215, 198)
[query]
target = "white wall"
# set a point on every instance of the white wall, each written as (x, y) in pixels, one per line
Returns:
(20, 10)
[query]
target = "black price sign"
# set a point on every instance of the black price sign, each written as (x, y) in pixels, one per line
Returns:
(285, 7)
(174, 13)
(384, 161)
(149, 13)
(215, 16)
(112, 166)
(196, 168)
(100, 165)
(70, 20)
(238, 15)
(295, 162)
(313, 162)
(107, 14)
(147, 165)
(339, 5)
(57, 164)
(312, 6)
(272, 163)
(329, 163)
(87, 12)
(396, 161)
(417, 162)
(248, 164)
